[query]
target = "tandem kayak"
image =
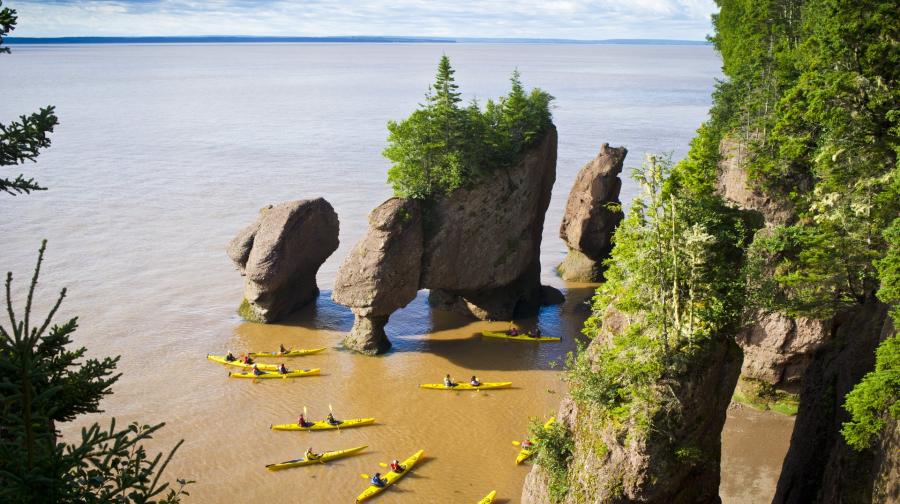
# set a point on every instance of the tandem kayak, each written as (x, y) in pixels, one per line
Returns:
(520, 337)
(290, 353)
(237, 363)
(524, 453)
(489, 498)
(325, 457)
(468, 386)
(271, 375)
(391, 477)
(323, 425)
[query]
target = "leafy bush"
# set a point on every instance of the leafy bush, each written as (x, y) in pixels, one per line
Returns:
(875, 398)
(443, 146)
(553, 452)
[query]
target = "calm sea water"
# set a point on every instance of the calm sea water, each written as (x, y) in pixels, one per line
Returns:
(164, 152)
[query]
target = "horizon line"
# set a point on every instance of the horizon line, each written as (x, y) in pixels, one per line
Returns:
(157, 39)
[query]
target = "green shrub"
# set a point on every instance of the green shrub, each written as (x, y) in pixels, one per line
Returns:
(874, 399)
(554, 453)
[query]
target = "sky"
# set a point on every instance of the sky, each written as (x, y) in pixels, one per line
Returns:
(568, 19)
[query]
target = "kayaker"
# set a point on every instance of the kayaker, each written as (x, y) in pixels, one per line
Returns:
(302, 422)
(448, 382)
(527, 444)
(247, 360)
(282, 368)
(474, 381)
(281, 349)
(396, 467)
(377, 481)
(535, 333)
(230, 357)
(311, 455)
(256, 370)
(331, 421)
(513, 332)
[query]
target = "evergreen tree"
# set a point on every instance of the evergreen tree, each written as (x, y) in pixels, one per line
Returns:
(22, 140)
(45, 383)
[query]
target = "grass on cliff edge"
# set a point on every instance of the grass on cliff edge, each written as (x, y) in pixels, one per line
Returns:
(764, 397)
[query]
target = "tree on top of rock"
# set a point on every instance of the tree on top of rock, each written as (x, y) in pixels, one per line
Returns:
(442, 146)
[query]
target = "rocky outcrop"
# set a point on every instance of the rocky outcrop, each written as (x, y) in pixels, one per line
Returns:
(777, 348)
(279, 255)
(819, 466)
(477, 249)
(592, 213)
(382, 272)
(734, 185)
(673, 458)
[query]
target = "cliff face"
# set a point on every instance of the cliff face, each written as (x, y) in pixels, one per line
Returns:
(477, 249)
(819, 465)
(589, 223)
(672, 460)
(777, 348)
(279, 255)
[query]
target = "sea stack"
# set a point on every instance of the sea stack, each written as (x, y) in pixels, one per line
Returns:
(477, 250)
(592, 213)
(279, 255)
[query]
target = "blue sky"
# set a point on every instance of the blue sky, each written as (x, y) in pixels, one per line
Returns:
(574, 19)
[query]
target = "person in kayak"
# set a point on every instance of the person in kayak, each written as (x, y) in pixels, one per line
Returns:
(302, 422)
(527, 444)
(247, 360)
(535, 333)
(282, 368)
(256, 370)
(378, 481)
(230, 357)
(474, 382)
(513, 332)
(448, 382)
(281, 349)
(311, 455)
(331, 420)
(396, 467)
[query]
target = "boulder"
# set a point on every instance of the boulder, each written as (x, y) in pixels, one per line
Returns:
(592, 213)
(279, 255)
(734, 185)
(381, 274)
(477, 249)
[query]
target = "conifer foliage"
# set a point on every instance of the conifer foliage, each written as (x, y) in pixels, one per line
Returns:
(22, 140)
(43, 382)
(444, 145)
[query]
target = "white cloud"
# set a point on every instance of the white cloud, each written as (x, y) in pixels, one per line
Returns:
(598, 19)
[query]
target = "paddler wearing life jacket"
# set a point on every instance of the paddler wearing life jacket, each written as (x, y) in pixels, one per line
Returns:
(474, 381)
(302, 422)
(377, 481)
(281, 349)
(331, 420)
(230, 357)
(311, 455)
(535, 333)
(396, 467)
(282, 368)
(256, 370)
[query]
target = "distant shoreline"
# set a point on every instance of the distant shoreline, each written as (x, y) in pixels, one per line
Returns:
(227, 39)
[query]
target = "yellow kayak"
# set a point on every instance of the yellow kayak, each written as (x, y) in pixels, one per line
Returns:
(290, 353)
(520, 337)
(323, 425)
(467, 386)
(325, 457)
(237, 363)
(489, 498)
(391, 477)
(271, 375)
(524, 453)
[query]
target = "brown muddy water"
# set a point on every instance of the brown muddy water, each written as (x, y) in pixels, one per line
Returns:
(165, 152)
